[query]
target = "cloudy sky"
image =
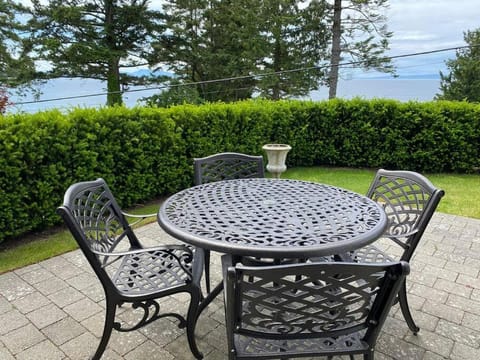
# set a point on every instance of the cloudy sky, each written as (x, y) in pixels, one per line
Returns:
(426, 25)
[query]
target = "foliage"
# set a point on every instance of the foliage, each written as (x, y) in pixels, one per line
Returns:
(16, 67)
(358, 30)
(463, 80)
(144, 153)
(293, 40)
(177, 93)
(231, 49)
(94, 39)
(211, 40)
(4, 101)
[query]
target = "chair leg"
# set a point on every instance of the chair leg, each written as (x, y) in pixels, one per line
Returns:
(192, 321)
(207, 269)
(107, 330)
(402, 299)
(369, 356)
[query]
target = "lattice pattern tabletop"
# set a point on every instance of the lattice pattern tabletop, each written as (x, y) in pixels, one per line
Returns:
(272, 218)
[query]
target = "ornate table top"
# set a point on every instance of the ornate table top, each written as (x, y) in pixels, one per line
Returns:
(272, 218)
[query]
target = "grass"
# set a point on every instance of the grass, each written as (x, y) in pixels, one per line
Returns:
(462, 192)
(462, 198)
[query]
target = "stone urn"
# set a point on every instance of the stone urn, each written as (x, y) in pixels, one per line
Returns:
(276, 154)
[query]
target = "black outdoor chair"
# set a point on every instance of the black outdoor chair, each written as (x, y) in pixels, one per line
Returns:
(409, 200)
(308, 309)
(225, 166)
(128, 272)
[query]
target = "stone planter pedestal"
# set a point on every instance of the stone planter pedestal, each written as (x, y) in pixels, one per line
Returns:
(276, 154)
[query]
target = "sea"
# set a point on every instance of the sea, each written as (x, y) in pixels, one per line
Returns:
(65, 94)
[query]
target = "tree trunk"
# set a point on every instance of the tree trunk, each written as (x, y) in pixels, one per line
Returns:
(336, 50)
(276, 68)
(114, 96)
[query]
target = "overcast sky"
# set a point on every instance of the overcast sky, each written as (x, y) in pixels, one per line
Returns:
(425, 25)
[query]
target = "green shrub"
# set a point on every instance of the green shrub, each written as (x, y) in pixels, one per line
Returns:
(144, 153)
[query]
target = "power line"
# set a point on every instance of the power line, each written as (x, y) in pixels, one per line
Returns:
(244, 77)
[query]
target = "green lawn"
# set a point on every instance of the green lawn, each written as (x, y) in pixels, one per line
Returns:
(462, 192)
(462, 197)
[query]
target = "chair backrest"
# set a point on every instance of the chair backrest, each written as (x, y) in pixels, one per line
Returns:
(409, 200)
(310, 300)
(227, 166)
(97, 223)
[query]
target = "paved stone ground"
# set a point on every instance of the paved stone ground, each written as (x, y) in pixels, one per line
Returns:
(55, 309)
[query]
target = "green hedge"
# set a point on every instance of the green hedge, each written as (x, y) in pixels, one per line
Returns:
(145, 152)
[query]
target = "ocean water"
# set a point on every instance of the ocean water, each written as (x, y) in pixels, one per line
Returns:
(398, 89)
(65, 94)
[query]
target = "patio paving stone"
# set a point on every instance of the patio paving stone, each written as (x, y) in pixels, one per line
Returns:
(55, 309)
(31, 302)
(22, 338)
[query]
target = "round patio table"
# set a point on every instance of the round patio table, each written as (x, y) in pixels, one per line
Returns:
(272, 218)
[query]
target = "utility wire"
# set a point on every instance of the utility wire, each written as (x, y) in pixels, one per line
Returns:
(243, 77)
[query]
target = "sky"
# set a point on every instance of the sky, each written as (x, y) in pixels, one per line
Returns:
(426, 25)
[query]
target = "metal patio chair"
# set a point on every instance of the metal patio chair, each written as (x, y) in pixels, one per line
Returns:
(409, 200)
(225, 166)
(128, 272)
(308, 309)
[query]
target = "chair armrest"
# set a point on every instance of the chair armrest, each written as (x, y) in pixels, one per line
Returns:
(139, 217)
(115, 256)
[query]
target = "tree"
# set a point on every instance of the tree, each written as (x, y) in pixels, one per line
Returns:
(358, 29)
(294, 43)
(210, 40)
(16, 68)
(95, 39)
(177, 93)
(237, 40)
(463, 80)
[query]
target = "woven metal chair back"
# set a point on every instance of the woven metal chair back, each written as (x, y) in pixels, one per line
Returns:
(227, 166)
(99, 217)
(342, 305)
(97, 224)
(409, 200)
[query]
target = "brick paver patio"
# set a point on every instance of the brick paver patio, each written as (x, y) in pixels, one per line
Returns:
(55, 309)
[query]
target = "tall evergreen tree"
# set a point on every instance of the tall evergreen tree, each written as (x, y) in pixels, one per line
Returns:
(462, 82)
(234, 43)
(95, 39)
(236, 40)
(358, 32)
(16, 67)
(211, 40)
(294, 43)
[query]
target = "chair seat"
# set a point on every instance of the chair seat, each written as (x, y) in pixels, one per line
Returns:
(372, 255)
(268, 348)
(151, 271)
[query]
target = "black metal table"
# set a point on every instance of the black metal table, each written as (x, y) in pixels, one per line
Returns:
(272, 218)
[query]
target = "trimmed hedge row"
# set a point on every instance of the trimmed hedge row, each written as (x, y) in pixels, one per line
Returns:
(145, 152)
